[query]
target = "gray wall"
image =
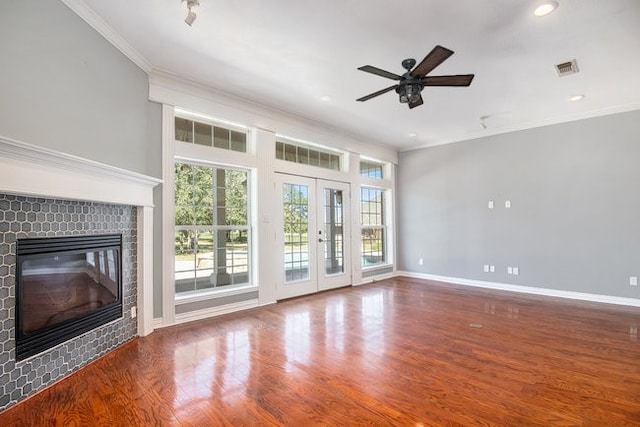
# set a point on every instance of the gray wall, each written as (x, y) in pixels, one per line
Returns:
(64, 87)
(574, 220)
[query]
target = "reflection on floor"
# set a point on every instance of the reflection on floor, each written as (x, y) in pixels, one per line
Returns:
(395, 352)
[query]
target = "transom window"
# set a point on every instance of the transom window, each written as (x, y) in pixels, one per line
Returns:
(210, 135)
(307, 156)
(371, 169)
(212, 230)
(372, 219)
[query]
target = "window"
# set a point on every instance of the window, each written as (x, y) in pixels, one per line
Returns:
(307, 156)
(212, 230)
(210, 135)
(372, 219)
(372, 169)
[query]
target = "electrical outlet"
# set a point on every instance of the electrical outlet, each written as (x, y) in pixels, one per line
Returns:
(420, 261)
(507, 204)
(633, 281)
(492, 268)
(490, 204)
(134, 312)
(486, 268)
(516, 271)
(509, 270)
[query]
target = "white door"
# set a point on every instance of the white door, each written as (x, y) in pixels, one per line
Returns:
(314, 237)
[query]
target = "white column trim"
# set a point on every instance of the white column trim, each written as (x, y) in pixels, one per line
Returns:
(145, 271)
(168, 217)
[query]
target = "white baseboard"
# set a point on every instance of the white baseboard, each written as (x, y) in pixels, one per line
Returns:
(582, 296)
(157, 323)
(215, 311)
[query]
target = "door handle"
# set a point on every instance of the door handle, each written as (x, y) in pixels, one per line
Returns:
(320, 240)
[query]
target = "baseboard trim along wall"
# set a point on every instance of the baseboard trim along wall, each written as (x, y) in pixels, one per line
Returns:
(632, 302)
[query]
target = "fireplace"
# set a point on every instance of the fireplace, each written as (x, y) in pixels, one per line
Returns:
(66, 286)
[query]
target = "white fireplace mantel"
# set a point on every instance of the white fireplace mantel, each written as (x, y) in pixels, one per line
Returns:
(29, 170)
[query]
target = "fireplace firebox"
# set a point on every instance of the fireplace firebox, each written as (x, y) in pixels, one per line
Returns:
(65, 286)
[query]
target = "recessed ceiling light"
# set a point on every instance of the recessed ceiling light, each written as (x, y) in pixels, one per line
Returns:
(546, 8)
(413, 135)
(325, 98)
(576, 98)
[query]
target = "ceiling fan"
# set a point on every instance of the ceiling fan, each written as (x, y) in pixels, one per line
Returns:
(411, 83)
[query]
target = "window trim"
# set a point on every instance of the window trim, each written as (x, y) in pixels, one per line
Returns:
(381, 165)
(320, 149)
(227, 290)
(385, 226)
(214, 293)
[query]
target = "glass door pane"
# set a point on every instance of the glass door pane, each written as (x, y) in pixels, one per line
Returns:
(296, 239)
(333, 231)
(334, 268)
(295, 207)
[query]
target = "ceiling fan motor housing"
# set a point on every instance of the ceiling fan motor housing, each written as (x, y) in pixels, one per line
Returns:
(408, 64)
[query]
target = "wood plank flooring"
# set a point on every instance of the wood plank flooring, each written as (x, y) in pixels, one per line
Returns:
(395, 352)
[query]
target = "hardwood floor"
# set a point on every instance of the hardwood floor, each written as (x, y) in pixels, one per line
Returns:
(395, 352)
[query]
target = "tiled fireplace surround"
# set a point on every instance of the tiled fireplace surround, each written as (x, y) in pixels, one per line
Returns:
(42, 194)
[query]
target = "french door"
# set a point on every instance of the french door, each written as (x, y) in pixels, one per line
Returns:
(314, 241)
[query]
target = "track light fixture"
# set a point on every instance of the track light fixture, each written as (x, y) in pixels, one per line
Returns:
(191, 16)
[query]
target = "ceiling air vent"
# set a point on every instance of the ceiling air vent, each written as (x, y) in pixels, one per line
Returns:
(566, 68)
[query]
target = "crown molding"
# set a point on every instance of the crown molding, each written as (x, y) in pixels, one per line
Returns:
(105, 30)
(529, 125)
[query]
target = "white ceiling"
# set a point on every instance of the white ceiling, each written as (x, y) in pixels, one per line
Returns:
(287, 54)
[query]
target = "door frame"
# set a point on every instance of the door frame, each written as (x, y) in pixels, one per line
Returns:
(316, 280)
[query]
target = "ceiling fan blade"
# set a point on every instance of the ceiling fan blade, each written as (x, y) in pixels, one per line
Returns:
(456, 80)
(416, 103)
(436, 57)
(374, 94)
(379, 72)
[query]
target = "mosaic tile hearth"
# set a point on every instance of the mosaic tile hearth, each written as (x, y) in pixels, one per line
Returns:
(22, 217)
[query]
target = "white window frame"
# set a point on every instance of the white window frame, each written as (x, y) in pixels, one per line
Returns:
(227, 290)
(386, 184)
(178, 151)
